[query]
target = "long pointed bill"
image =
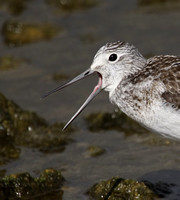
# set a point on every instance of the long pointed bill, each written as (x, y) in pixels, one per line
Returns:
(95, 92)
(77, 78)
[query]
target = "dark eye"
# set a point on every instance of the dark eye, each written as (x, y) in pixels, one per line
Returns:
(113, 57)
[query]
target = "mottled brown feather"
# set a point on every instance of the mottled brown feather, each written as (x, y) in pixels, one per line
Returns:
(165, 69)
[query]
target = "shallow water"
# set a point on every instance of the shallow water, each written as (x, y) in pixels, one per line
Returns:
(153, 30)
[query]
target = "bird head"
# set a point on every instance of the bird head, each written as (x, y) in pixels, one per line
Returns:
(113, 62)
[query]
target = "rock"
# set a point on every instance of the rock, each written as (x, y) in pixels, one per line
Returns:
(17, 33)
(95, 150)
(23, 128)
(121, 189)
(24, 186)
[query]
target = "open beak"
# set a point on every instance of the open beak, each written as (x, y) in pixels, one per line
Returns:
(94, 93)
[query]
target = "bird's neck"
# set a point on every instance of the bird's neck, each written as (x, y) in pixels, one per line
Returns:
(128, 96)
(136, 64)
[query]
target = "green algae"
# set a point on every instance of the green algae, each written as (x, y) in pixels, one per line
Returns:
(23, 128)
(113, 121)
(71, 5)
(17, 33)
(95, 151)
(10, 62)
(121, 189)
(15, 7)
(24, 186)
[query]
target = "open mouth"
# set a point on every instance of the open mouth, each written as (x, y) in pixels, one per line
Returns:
(95, 92)
(98, 86)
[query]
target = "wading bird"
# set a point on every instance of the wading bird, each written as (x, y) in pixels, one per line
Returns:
(147, 90)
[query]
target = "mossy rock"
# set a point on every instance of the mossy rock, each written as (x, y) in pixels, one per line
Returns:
(121, 189)
(17, 33)
(72, 5)
(15, 120)
(23, 128)
(28, 129)
(113, 121)
(49, 139)
(95, 151)
(24, 186)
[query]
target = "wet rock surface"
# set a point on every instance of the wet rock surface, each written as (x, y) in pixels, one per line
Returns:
(94, 150)
(121, 189)
(154, 186)
(24, 186)
(19, 128)
(17, 33)
(23, 128)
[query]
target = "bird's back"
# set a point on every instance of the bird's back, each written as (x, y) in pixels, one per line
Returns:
(165, 70)
(152, 95)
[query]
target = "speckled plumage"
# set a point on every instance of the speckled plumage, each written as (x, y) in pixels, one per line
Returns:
(147, 90)
(164, 70)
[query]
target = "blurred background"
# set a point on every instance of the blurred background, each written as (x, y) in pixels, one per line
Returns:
(46, 42)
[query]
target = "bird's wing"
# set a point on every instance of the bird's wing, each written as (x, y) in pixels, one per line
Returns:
(170, 77)
(164, 69)
(172, 99)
